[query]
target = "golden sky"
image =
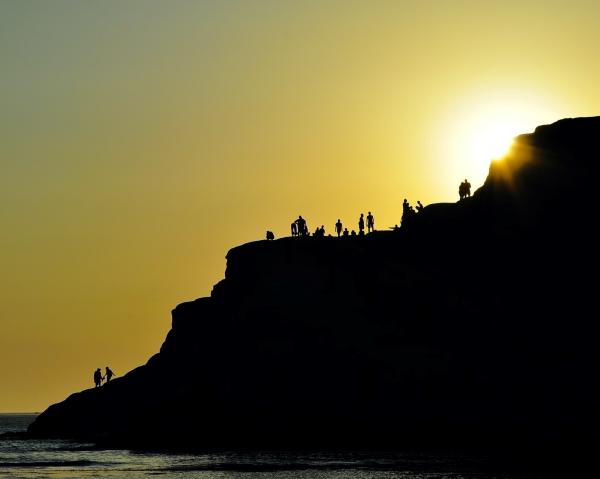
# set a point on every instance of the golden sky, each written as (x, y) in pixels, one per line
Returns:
(140, 140)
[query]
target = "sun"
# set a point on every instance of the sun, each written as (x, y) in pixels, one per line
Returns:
(491, 139)
(482, 129)
(487, 132)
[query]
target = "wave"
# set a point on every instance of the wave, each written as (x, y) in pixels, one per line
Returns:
(277, 467)
(76, 463)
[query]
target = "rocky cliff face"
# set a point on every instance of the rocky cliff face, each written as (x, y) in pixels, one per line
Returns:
(475, 324)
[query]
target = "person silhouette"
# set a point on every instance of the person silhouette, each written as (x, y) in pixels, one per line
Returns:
(108, 374)
(270, 235)
(301, 226)
(353, 233)
(98, 378)
(419, 207)
(294, 228)
(467, 188)
(346, 233)
(407, 212)
(338, 227)
(361, 223)
(370, 222)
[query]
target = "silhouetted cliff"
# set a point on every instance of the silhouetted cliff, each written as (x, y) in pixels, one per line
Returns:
(474, 324)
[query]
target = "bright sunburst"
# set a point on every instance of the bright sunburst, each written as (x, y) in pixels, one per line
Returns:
(482, 130)
(492, 138)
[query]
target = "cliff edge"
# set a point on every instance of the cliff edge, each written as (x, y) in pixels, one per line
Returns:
(473, 324)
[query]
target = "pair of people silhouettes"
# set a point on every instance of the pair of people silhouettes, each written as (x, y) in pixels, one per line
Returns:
(464, 190)
(370, 223)
(319, 232)
(98, 378)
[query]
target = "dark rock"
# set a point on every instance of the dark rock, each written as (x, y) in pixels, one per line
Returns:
(473, 325)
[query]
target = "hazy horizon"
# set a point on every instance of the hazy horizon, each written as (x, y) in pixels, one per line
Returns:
(141, 140)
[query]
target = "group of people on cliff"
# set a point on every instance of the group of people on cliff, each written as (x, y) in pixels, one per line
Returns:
(98, 377)
(409, 212)
(299, 227)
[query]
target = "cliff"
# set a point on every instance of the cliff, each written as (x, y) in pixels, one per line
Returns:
(474, 324)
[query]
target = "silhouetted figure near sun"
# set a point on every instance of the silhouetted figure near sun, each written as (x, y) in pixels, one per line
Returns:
(270, 235)
(338, 227)
(353, 233)
(108, 374)
(346, 232)
(294, 228)
(370, 222)
(98, 377)
(361, 223)
(419, 207)
(464, 189)
(467, 188)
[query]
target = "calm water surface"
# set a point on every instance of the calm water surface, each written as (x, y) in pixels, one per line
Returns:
(62, 459)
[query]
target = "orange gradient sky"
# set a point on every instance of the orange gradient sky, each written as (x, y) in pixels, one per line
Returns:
(140, 140)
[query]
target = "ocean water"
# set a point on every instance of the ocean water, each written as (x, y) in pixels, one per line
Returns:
(22, 458)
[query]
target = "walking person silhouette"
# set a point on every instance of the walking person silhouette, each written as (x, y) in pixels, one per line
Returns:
(98, 378)
(338, 227)
(108, 374)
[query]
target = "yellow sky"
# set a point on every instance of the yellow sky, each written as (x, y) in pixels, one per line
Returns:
(140, 140)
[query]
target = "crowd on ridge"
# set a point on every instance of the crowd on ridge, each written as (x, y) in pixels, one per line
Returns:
(299, 227)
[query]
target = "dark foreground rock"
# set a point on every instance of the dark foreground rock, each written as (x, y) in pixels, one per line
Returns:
(475, 325)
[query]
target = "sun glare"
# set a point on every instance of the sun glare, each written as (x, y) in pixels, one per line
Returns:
(480, 131)
(492, 140)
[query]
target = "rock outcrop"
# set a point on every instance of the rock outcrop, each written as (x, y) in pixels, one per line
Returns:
(476, 323)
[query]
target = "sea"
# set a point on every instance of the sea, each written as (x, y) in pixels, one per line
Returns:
(59, 459)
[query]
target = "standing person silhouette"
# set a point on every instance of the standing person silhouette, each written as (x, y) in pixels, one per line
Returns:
(370, 222)
(301, 227)
(361, 223)
(294, 229)
(98, 378)
(108, 375)
(467, 188)
(338, 227)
